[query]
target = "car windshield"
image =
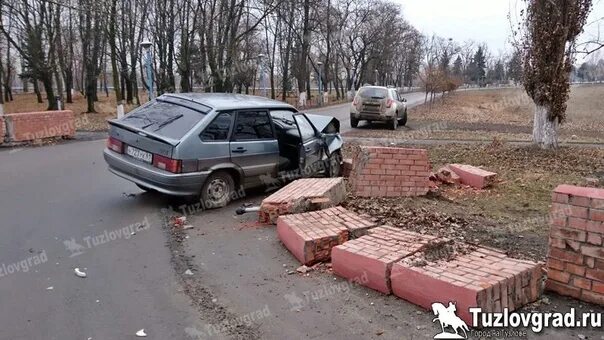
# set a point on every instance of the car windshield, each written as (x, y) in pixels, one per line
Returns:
(164, 118)
(373, 92)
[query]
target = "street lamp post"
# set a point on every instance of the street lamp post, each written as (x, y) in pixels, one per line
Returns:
(146, 45)
(320, 64)
(260, 74)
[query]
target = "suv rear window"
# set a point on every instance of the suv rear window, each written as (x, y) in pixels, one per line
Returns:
(163, 118)
(373, 92)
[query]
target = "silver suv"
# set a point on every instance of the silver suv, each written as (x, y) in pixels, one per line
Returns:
(212, 144)
(377, 103)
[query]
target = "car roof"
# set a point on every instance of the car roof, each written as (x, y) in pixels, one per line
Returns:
(231, 101)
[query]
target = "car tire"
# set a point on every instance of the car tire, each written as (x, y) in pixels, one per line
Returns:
(335, 164)
(394, 123)
(403, 121)
(144, 188)
(354, 122)
(217, 190)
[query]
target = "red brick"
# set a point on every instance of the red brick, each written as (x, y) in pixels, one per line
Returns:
(594, 238)
(596, 215)
(597, 203)
(597, 252)
(577, 223)
(346, 167)
(581, 201)
(581, 283)
(40, 125)
(598, 287)
(580, 212)
(595, 227)
(473, 176)
(559, 276)
(562, 289)
(569, 234)
(556, 264)
(567, 256)
(298, 197)
(592, 297)
(580, 191)
(560, 198)
(574, 269)
(595, 274)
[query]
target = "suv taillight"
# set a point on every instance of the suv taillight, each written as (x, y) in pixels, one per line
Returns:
(168, 164)
(389, 103)
(115, 145)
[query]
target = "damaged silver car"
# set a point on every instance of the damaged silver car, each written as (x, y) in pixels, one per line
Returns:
(213, 144)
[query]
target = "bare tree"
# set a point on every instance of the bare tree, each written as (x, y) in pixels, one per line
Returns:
(550, 30)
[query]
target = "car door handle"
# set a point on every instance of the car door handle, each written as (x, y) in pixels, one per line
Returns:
(239, 150)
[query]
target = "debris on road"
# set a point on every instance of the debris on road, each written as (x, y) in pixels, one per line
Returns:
(188, 272)
(303, 269)
(141, 333)
(50, 288)
(80, 273)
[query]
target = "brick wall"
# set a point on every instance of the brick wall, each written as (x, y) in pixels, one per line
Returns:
(576, 254)
(302, 195)
(390, 172)
(31, 126)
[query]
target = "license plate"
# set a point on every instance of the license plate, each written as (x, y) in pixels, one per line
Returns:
(139, 154)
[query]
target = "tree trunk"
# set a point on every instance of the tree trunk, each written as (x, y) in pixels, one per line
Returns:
(37, 91)
(545, 131)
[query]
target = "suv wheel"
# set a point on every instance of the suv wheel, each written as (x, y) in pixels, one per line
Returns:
(354, 122)
(403, 120)
(394, 123)
(217, 190)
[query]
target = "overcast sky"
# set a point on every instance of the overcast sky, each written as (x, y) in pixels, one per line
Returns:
(478, 20)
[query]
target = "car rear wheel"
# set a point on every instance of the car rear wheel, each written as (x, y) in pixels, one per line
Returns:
(354, 122)
(403, 120)
(217, 190)
(394, 123)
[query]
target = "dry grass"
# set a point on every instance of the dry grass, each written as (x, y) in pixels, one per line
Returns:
(514, 107)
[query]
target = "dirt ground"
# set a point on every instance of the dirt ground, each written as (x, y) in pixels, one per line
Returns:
(506, 114)
(512, 215)
(245, 286)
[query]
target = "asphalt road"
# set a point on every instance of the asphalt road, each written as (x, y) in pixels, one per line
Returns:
(53, 194)
(342, 111)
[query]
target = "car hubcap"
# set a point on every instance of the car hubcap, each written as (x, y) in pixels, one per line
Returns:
(217, 190)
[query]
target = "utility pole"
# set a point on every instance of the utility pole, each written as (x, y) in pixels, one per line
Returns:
(320, 64)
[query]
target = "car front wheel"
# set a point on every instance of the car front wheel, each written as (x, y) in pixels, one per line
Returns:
(217, 190)
(354, 122)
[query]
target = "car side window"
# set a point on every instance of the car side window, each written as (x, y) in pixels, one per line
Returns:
(219, 128)
(252, 125)
(306, 130)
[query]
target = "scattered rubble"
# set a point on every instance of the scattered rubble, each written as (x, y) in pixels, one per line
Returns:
(141, 333)
(188, 272)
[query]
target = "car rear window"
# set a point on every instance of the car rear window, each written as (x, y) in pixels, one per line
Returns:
(373, 92)
(164, 118)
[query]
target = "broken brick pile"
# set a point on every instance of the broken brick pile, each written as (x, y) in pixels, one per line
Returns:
(371, 257)
(310, 236)
(576, 253)
(302, 195)
(482, 278)
(387, 259)
(390, 172)
(473, 176)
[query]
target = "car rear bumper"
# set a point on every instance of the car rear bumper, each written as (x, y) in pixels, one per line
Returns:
(371, 116)
(187, 184)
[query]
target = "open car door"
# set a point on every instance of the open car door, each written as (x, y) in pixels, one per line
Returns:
(310, 148)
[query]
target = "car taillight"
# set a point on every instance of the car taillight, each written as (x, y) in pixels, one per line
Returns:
(115, 145)
(168, 164)
(389, 103)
